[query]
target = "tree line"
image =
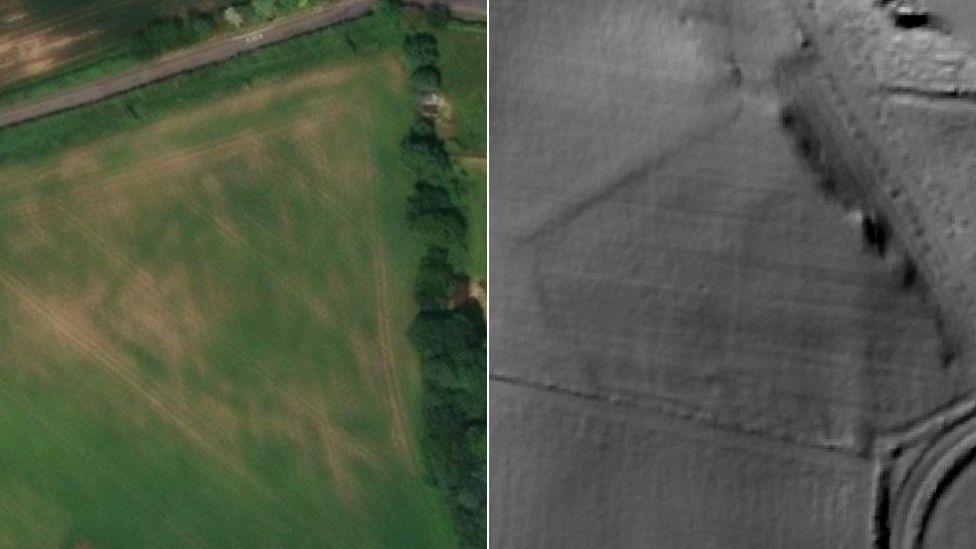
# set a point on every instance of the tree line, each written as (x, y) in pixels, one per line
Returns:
(451, 340)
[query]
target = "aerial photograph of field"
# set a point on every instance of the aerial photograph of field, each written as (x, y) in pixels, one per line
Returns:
(242, 274)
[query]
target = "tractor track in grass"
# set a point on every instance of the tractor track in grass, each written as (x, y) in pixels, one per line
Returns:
(114, 363)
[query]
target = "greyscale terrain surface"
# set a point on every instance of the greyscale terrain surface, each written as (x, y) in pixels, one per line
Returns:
(734, 274)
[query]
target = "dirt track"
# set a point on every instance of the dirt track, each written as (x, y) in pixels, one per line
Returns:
(212, 51)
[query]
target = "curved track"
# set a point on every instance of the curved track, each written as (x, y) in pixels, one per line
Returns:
(929, 478)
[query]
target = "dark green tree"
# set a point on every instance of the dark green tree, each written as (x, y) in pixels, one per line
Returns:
(438, 14)
(452, 345)
(387, 9)
(426, 157)
(162, 35)
(421, 49)
(435, 278)
(425, 78)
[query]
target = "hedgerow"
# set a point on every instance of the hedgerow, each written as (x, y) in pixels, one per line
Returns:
(450, 338)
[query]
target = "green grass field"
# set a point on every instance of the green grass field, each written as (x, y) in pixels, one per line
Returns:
(464, 58)
(464, 65)
(203, 327)
(477, 217)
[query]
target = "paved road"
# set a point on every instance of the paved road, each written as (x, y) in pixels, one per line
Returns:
(212, 51)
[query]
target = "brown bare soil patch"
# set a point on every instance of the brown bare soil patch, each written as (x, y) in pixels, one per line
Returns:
(304, 418)
(161, 312)
(343, 175)
(468, 289)
(475, 162)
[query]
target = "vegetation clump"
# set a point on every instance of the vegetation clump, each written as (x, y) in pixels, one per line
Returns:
(420, 49)
(162, 35)
(438, 14)
(425, 79)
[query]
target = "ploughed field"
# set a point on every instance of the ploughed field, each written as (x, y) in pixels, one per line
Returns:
(203, 328)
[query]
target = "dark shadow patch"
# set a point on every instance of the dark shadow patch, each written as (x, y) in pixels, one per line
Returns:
(909, 274)
(910, 19)
(880, 521)
(950, 345)
(811, 152)
(876, 233)
(943, 485)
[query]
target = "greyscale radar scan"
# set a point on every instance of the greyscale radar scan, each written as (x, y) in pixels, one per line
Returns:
(733, 271)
